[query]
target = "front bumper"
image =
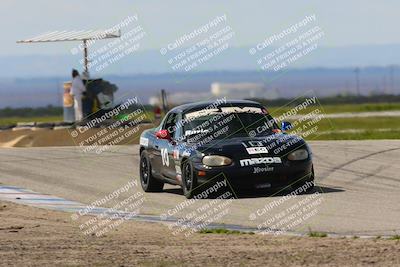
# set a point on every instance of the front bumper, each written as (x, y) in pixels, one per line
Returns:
(258, 176)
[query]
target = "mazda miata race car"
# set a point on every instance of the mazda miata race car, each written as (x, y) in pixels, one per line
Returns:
(236, 140)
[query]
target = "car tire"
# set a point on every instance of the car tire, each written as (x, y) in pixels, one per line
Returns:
(147, 180)
(189, 182)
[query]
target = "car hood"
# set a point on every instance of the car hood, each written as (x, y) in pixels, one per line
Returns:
(273, 145)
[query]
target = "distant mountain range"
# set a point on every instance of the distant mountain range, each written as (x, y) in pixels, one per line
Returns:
(31, 92)
(37, 80)
(233, 59)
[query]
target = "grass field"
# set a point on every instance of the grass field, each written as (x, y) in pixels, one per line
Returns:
(363, 135)
(14, 120)
(352, 128)
(329, 109)
(328, 129)
(358, 128)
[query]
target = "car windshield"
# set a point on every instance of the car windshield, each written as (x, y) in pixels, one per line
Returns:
(227, 123)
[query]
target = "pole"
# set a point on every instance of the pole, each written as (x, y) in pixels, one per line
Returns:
(392, 80)
(85, 57)
(164, 101)
(357, 72)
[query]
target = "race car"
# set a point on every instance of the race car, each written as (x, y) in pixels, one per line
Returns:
(236, 140)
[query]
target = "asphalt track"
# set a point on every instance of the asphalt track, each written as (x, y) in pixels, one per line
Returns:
(358, 181)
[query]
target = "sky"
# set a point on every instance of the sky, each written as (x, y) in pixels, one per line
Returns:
(356, 33)
(345, 22)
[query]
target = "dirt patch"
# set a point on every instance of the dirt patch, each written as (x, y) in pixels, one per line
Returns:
(38, 237)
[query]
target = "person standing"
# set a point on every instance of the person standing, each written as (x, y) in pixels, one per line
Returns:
(77, 90)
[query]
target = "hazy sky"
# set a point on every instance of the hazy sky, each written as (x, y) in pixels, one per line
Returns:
(344, 22)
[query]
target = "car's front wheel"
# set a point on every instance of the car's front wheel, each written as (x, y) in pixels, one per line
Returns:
(148, 182)
(189, 182)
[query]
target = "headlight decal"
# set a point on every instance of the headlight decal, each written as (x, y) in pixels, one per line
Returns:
(300, 154)
(215, 160)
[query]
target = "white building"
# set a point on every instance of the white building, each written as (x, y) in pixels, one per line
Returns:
(238, 90)
(188, 97)
(219, 90)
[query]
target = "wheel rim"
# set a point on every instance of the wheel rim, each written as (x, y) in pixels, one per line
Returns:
(144, 170)
(188, 177)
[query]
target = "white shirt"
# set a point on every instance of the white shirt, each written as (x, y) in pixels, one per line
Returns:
(77, 87)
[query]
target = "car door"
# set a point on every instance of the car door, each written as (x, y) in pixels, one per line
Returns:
(167, 147)
(155, 153)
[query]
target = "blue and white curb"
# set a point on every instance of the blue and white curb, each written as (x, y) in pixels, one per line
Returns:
(30, 198)
(35, 199)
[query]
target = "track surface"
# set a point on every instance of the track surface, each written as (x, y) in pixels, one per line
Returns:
(359, 183)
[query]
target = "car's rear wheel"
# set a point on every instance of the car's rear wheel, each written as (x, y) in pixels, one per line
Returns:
(148, 182)
(189, 182)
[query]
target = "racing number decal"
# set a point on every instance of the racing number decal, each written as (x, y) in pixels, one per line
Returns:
(164, 156)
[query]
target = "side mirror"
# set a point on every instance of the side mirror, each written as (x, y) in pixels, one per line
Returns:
(285, 125)
(163, 134)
